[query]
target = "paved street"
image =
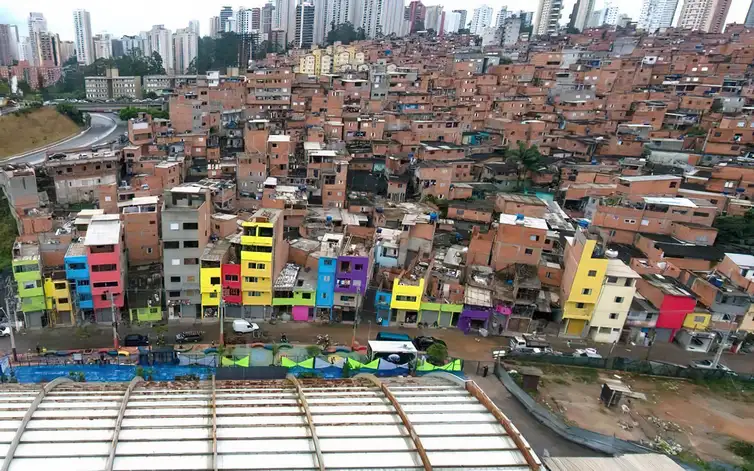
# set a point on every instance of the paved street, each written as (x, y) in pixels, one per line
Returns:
(105, 128)
(468, 347)
(539, 437)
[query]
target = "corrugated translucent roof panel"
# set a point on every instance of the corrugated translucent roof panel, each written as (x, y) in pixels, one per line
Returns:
(259, 425)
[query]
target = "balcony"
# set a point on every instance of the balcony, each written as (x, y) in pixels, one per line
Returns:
(255, 256)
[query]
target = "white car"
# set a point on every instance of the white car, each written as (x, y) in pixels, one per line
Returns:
(707, 365)
(4, 331)
(242, 326)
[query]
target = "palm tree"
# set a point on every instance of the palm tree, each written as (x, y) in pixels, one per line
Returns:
(528, 160)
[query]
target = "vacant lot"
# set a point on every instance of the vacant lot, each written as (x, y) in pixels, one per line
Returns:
(703, 419)
(32, 130)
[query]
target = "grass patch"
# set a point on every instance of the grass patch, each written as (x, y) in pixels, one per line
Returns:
(8, 233)
(743, 449)
(21, 132)
(585, 375)
(560, 381)
(729, 388)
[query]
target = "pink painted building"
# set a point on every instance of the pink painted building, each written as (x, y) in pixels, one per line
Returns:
(105, 257)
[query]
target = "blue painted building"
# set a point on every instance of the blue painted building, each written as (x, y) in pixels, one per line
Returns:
(77, 273)
(382, 307)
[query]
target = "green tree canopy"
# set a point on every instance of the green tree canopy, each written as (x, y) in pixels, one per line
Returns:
(528, 159)
(130, 112)
(735, 230)
(345, 33)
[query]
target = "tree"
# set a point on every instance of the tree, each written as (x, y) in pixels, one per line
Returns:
(24, 87)
(528, 159)
(735, 230)
(345, 33)
(151, 95)
(4, 88)
(717, 106)
(437, 354)
(72, 112)
(130, 112)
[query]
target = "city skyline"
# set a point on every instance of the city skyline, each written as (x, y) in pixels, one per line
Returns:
(133, 20)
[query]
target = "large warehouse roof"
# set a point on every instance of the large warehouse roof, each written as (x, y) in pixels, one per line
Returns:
(363, 423)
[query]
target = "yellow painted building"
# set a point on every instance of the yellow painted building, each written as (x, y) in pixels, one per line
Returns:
(58, 301)
(697, 320)
(257, 250)
(583, 277)
(407, 297)
(210, 286)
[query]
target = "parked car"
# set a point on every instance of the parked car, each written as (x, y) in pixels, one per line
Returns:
(707, 365)
(423, 342)
(586, 353)
(190, 336)
(526, 351)
(4, 331)
(242, 326)
(136, 340)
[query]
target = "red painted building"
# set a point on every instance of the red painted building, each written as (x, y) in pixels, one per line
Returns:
(672, 300)
(231, 282)
(105, 257)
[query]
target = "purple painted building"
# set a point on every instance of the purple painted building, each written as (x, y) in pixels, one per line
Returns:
(352, 274)
(473, 317)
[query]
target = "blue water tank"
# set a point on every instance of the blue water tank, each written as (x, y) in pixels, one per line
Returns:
(740, 190)
(379, 230)
(432, 217)
(328, 218)
(520, 217)
(594, 161)
(583, 223)
(379, 210)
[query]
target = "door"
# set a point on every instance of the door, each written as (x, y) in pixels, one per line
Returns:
(575, 327)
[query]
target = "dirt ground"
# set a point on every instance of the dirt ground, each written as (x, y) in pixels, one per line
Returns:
(702, 419)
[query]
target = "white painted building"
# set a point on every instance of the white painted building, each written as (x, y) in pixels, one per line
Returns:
(161, 41)
(481, 19)
(547, 17)
(433, 18)
(452, 22)
(82, 24)
(616, 296)
(103, 46)
(657, 14)
(584, 9)
(186, 49)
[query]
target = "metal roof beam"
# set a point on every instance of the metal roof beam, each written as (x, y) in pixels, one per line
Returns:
(214, 424)
(27, 418)
(119, 421)
(309, 420)
(510, 429)
(404, 418)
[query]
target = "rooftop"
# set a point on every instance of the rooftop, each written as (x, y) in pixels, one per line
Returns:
(178, 425)
(522, 199)
(286, 280)
(535, 223)
(742, 260)
(667, 285)
(215, 252)
(104, 229)
(619, 269)
(649, 178)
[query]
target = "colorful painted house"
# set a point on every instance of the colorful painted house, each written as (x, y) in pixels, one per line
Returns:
(406, 301)
(353, 272)
(293, 293)
(27, 272)
(231, 283)
(382, 307)
(326, 273)
(210, 276)
(105, 256)
(673, 301)
(77, 273)
(58, 299)
(257, 260)
(439, 314)
(585, 268)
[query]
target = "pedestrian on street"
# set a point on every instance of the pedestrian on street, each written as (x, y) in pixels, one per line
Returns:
(39, 350)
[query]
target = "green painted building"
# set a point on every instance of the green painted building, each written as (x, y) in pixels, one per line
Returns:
(27, 271)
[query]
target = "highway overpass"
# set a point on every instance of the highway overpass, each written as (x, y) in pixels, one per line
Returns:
(115, 107)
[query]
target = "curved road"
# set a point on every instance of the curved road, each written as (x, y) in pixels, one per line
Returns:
(105, 127)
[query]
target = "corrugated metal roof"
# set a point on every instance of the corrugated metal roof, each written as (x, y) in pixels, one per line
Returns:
(257, 425)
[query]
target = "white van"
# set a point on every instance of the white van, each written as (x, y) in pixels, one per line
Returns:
(517, 342)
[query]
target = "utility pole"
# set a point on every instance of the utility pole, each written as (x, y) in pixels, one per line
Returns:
(221, 315)
(719, 353)
(356, 318)
(115, 321)
(11, 318)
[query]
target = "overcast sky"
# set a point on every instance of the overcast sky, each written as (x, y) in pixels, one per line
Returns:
(119, 18)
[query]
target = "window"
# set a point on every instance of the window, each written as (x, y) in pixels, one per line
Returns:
(256, 266)
(673, 184)
(255, 294)
(190, 244)
(619, 299)
(528, 251)
(579, 305)
(592, 273)
(326, 278)
(586, 291)
(328, 262)
(174, 294)
(215, 280)
(612, 279)
(534, 238)
(613, 315)
(82, 283)
(410, 299)
(306, 295)
(605, 330)
(191, 261)
(171, 245)
(174, 226)
(629, 282)
(106, 284)
(175, 279)
(212, 295)
(106, 267)
(699, 319)
(175, 261)
(191, 226)
(149, 249)
(548, 275)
